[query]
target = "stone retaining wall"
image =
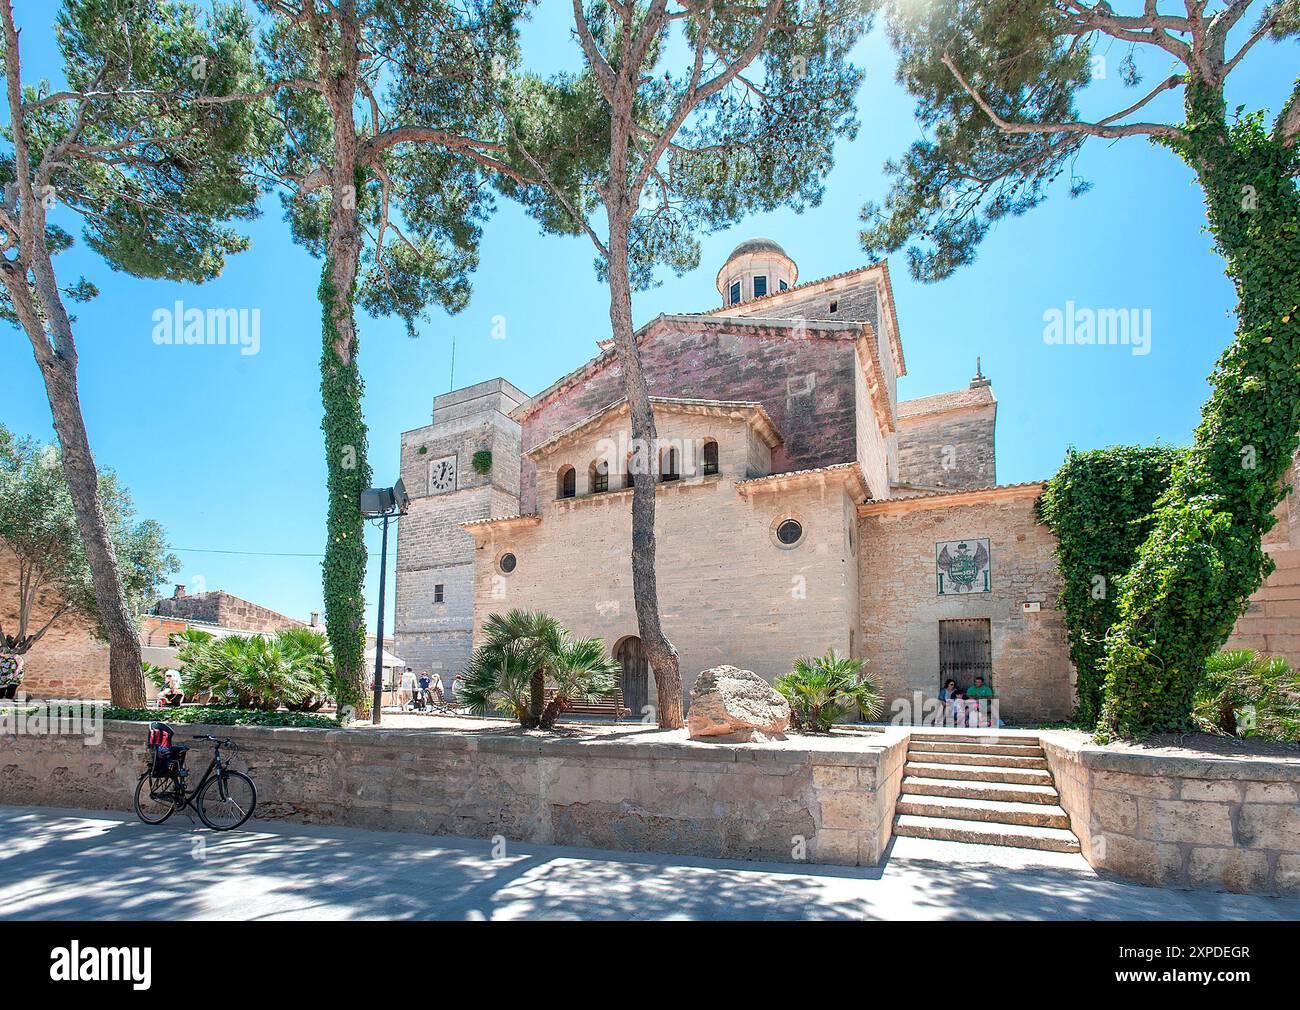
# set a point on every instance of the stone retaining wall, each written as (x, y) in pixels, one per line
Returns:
(651, 792)
(1211, 823)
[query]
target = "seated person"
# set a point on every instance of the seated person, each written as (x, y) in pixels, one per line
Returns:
(950, 696)
(171, 694)
(981, 694)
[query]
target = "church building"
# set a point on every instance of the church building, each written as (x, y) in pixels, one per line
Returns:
(800, 506)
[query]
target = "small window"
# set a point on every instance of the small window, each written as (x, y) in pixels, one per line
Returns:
(437, 593)
(600, 477)
(789, 532)
(783, 286)
(507, 563)
(735, 293)
(760, 287)
(669, 465)
(710, 458)
(835, 306)
(566, 483)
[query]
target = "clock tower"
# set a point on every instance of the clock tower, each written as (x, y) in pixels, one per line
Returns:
(463, 466)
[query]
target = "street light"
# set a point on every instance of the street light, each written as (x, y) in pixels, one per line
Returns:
(383, 503)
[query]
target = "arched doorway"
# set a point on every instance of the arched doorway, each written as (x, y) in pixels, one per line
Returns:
(636, 674)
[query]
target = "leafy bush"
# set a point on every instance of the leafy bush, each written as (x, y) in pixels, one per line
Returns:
(525, 652)
(822, 689)
(1098, 505)
(482, 462)
(292, 669)
(1244, 694)
(221, 716)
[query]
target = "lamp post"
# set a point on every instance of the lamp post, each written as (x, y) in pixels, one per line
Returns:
(382, 503)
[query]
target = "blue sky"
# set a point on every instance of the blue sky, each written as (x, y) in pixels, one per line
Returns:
(225, 449)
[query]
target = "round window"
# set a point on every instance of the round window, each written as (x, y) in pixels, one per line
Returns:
(789, 532)
(508, 563)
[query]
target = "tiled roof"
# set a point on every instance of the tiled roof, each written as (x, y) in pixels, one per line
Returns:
(764, 423)
(953, 496)
(940, 402)
(851, 468)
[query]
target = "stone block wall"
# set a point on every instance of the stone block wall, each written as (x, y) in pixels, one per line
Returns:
(949, 449)
(221, 608)
(68, 661)
(828, 802)
(1208, 823)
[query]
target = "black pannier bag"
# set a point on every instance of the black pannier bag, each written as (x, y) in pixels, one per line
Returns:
(165, 756)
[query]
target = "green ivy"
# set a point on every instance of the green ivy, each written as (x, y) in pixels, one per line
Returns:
(1098, 505)
(1203, 558)
(348, 474)
(482, 462)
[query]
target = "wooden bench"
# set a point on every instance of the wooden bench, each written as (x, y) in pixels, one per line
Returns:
(607, 705)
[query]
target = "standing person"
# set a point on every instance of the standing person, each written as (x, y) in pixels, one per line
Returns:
(407, 691)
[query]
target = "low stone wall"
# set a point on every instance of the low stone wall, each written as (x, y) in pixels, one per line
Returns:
(824, 800)
(1211, 823)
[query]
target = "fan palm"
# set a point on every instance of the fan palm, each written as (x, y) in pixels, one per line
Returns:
(1244, 694)
(822, 689)
(521, 652)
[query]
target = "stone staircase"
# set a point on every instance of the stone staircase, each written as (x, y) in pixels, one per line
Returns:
(968, 788)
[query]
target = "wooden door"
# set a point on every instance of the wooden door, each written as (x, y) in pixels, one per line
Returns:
(636, 668)
(965, 651)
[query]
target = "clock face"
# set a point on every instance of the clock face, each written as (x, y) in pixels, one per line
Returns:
(442, 475)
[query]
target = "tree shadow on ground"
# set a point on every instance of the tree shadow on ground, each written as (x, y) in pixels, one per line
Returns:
(59, 864)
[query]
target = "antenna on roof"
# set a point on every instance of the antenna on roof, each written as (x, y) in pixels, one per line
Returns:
(453, 364)
(979, 379)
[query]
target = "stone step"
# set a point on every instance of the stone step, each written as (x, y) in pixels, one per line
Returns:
(978, 773)
(990, 760)
(1039, 815)
(967, 789)
(976, 736)
(963, 747)
(953, 829)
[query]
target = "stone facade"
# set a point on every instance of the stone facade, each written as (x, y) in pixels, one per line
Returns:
(1271, 623)
(720, 566)
(798, 388)
(224, 610)
(434, 607)
(1031, 670)
(1208, 823)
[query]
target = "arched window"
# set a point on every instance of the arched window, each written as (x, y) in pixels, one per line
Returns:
(669, 464)
(598, 476)
(710, 457)
(566, 482)
(628, 475)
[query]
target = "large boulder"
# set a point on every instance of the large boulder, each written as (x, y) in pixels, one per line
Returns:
(729, 705)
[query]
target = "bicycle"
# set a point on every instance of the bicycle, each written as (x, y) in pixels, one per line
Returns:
(223, 799)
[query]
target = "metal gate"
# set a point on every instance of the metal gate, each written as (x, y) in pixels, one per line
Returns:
(965, 651)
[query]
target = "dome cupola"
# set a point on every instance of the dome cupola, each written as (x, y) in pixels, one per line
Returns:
(756, 267)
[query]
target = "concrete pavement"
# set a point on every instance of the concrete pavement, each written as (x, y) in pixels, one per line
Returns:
(61, 864)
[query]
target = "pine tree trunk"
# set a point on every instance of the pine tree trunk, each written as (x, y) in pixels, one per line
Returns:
(343, 424)
(57, 360)
(645, 590)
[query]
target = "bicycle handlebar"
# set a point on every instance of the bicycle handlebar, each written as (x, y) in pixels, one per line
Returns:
(223, 741)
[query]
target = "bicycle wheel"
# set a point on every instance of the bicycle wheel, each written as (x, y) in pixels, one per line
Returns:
(227, 801)
(155, 799)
